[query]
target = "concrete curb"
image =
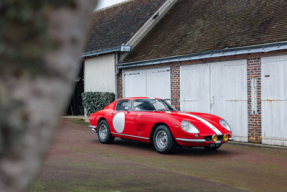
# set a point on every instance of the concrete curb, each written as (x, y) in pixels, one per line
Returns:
(256, 145)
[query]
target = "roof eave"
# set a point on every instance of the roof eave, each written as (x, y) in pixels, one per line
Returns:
(101, 51)
(123, 49)
(262, 48)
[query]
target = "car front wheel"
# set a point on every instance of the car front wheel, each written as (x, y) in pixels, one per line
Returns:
(104, 133)
(163, 140)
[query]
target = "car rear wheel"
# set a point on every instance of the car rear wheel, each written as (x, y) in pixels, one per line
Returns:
(163, 140)
(104, 134)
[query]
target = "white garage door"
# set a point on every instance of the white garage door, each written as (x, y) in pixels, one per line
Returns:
(135, 83)
(151, 83)
(195, 88)
(218, 88)
(274, 100)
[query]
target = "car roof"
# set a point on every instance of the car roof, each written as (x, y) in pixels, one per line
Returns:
(134, 98)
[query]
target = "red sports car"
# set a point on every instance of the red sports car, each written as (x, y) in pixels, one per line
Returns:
(154, 120)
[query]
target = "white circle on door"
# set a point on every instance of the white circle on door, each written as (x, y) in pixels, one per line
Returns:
(119, 122)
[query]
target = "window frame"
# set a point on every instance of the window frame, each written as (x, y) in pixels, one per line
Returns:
(124, 100)
(150, 110)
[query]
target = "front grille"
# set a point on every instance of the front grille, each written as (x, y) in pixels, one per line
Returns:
(209, 138)
(220, 137)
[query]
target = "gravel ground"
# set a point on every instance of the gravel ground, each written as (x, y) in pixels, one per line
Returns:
(77, 161)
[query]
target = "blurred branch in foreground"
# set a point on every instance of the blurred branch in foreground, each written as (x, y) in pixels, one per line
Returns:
(40, 44)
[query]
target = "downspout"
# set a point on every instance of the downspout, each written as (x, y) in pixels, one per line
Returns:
(116, 76)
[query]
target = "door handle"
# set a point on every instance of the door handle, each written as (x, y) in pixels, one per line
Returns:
(112, 112)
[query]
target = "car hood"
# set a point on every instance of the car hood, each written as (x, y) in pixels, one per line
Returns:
(200, 120)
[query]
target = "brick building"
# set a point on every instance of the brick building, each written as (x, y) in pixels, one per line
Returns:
(225, 57)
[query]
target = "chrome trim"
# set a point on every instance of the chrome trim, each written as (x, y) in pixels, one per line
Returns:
(94, 128)
(131, 136)
(230, 139)
(192, 140)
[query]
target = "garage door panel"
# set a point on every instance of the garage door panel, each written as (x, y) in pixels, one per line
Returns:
(195, 88)
(219, 88)
(135, 83)
(235, 113)
(158, 83)
(235, 80)
(274, 100)
(229, 95)
(151, 82)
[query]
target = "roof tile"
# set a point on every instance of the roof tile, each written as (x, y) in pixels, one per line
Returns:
(194, 26)
(117, 24)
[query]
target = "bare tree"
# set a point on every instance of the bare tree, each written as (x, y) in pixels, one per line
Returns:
(40, 44)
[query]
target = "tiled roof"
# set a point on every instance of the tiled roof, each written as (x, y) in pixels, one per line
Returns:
(194, 26)
(117, 24)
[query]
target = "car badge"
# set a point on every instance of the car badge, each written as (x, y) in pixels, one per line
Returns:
(139, 115)
(213, 128)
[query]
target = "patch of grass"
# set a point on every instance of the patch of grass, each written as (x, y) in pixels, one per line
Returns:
(80, 122)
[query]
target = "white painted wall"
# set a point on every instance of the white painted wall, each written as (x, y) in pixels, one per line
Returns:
(100, 74)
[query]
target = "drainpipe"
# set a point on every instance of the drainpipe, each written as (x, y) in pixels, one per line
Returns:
(124, 49)
(116, 76)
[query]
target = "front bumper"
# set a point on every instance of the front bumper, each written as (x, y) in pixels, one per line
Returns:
(192, 140)
(199, 142)
(94, 128)
(231, 139)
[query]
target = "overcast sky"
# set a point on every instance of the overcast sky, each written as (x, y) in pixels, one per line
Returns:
(106, 3)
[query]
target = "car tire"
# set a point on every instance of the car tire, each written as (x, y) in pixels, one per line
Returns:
(104, 133)
(163, 140)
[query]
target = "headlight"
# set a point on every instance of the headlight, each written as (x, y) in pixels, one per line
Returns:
(188, 127)
(225, 137)
(214, 138)
(225, 124)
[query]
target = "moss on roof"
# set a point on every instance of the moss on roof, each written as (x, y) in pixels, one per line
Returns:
(117, 24)
(194, 26)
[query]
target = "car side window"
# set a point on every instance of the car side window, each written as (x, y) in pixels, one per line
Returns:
(142, 105)
(122, 104)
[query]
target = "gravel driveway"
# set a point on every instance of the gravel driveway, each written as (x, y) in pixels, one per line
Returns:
(77, 161)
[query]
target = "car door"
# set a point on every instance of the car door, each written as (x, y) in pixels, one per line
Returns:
(122, 119)
(144, 118)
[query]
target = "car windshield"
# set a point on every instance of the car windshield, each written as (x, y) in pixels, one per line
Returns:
(151, 105)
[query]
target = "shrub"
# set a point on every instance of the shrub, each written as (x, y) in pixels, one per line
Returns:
(95, 101)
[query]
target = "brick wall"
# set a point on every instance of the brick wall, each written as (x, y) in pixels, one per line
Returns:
(175, 86)
(120, 86)
(254, 120)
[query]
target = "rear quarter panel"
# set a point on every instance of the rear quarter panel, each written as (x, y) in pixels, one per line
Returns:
(95, 117)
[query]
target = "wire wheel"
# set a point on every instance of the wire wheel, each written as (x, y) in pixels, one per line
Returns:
(103, 131)
(161, 139)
